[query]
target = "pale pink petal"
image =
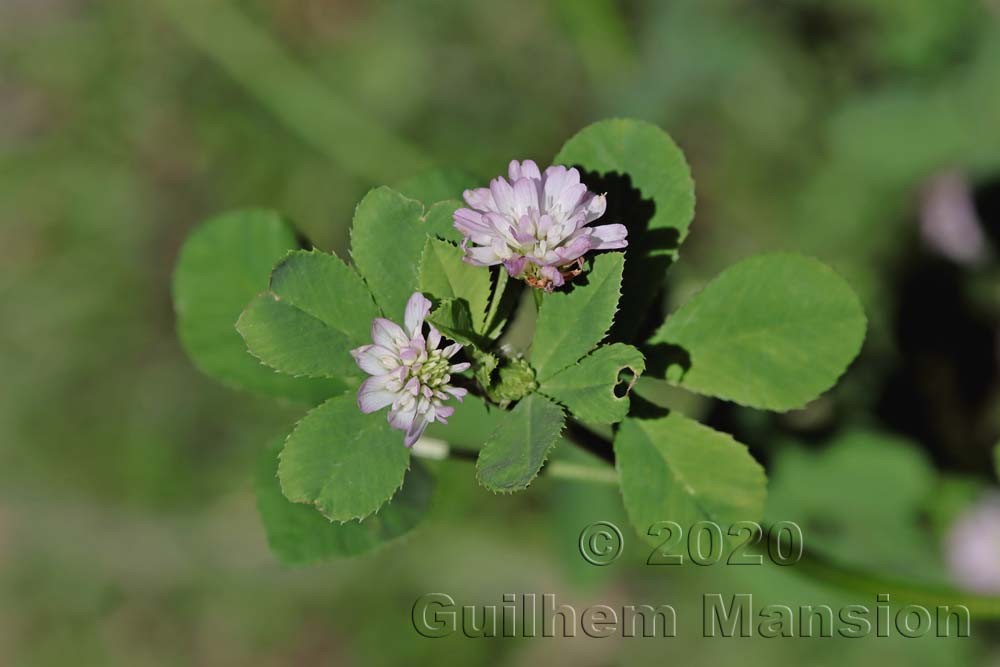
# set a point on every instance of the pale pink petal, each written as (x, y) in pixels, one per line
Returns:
(554, 277)
(416, 430)
(609, 237)
(433, 338)
(457, 392)
(417, 309)
(571, 196)
(594, 207)
(402, 417)
(481, 256)
(480, 199)
(530, 170)
(577, 247)
(375, 359)
(555, 177)
(503, 195)
(525, 196)
(515, 265)
(388, 334)
(473, 226)
(373, 394)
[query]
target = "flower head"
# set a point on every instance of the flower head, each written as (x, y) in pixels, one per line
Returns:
(408, 372)
(536, 225)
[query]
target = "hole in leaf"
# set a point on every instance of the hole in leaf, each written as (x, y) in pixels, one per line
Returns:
(626, 380)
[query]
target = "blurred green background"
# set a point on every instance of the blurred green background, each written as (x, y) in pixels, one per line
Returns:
(866, 133)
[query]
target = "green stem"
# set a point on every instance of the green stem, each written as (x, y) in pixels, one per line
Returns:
(581, 472)
(539, 296)
(304, 104)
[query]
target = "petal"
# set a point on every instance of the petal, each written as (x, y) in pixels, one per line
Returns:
(525, 196)
(458, 368)
(554, 277)
(594, 207)
(416, 310)
(433, 338)
(451, 350)
(530, 170)
(373, 395)
(570, 197)
(480, 199)
(503, 195)
(375, 359)
(555, 177)
(514, 170)
(527, 169)
(457, 392)
(416, 430)
(503, 228)
(577, 246)
(609, 237)
(515, 265)
(481, 256)
(402, 418)
(388, 334)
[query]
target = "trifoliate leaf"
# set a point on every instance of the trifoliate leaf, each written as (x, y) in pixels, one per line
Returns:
(445, 276)
(589, 388)
(387, 239)
(299, 534)
(436, 185)
(346, 463)
(571, 323)
(773, 332)
(317, 311)
(649, 190)
(517, 449)
(222, 266)
(675, 469)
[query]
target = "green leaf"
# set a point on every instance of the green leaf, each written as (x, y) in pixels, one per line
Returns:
(387, 239)
(471, 425)
(439, 221)
(299, 534)
(453, 319)
(588, 388)
(444, 275)
(570, 324)
(675, 469)
(773, 332)
(516, 450)
(318, 309)
(502, 303)
(436, 185)
(223, 265)
(346, 463)
(657, 216)
(865, 524)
